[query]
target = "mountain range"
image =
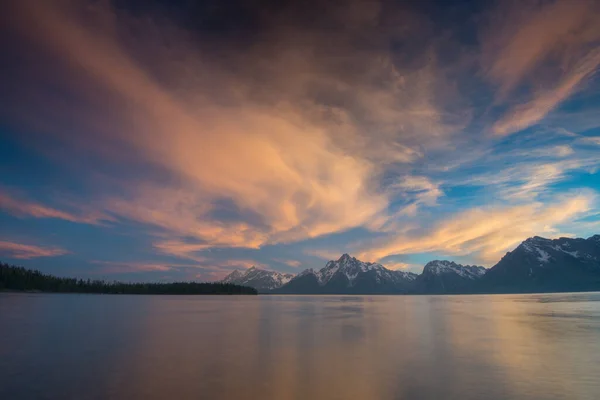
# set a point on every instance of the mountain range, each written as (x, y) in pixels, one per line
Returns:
(260, 279)
(536, 265)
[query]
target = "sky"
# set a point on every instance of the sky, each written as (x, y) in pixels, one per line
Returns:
(180, 140)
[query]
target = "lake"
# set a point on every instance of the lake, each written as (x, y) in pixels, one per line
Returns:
(69, 346)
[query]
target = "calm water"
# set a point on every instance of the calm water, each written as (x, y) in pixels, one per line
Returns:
(305, 347)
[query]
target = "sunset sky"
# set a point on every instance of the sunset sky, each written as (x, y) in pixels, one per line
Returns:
(179, 140)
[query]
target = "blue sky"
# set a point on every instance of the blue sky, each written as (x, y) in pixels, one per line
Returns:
(165, 141)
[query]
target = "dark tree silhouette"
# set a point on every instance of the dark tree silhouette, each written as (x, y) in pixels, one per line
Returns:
(21, 279)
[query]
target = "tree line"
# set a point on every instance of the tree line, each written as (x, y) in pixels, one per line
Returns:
(21, 279)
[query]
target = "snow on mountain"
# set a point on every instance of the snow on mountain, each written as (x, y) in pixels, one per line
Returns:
(233, 277)
(348, 266)
(554, 250)
(352, 275)
(540, 264)
(536, 264)
(439, 267)
(259, 279)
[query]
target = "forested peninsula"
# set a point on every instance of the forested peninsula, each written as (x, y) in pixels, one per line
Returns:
(14, 278)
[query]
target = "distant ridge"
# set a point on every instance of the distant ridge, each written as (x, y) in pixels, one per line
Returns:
(259, 279)
(536, 265)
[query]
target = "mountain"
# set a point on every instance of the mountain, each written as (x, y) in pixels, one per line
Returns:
(347, 275)
(547, 265)
(536, 265)
(258, 279)
(440, 276)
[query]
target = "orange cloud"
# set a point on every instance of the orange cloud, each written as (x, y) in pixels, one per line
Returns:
(524, 33)
(396, 266)
(27, 251)
(21, 207)
(289, 263)
(236, 263)
(181, 249)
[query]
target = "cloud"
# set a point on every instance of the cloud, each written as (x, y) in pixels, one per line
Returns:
(529, 177)
(419, 188)
(117, 267)
(27, 251)
(325, 254)
(525, 115)
(304, 125)
(289, 149)
(206, 270)
(24, 208)
(397, 266)
(550, 45)
(486, 233)
(413, 191)
(591, 140)
(181, 249)
(238, 263)
(289, 263)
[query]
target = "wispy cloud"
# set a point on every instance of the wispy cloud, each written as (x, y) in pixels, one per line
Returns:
(118, 267)
(550, 45)
(523, 34)
(419, 189)
(181, 249)
(289, 263)
(27, 251)
(527, 114)
(238, 263)
(23, 208)
(400, 266)
(527, 180)
(325, 254)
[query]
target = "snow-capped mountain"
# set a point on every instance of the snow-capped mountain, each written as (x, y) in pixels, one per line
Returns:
(349, 275)
(540, 264)
(441, 276)
(259, 279)
(537, 264)
(350, 268)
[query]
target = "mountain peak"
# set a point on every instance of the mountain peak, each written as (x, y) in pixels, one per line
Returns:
(439, 262)
(348, 274)
(233, 276)
(537, 239)
(595, 238)
(346, 257)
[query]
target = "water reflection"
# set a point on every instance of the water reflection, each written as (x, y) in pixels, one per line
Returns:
(300, 347)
